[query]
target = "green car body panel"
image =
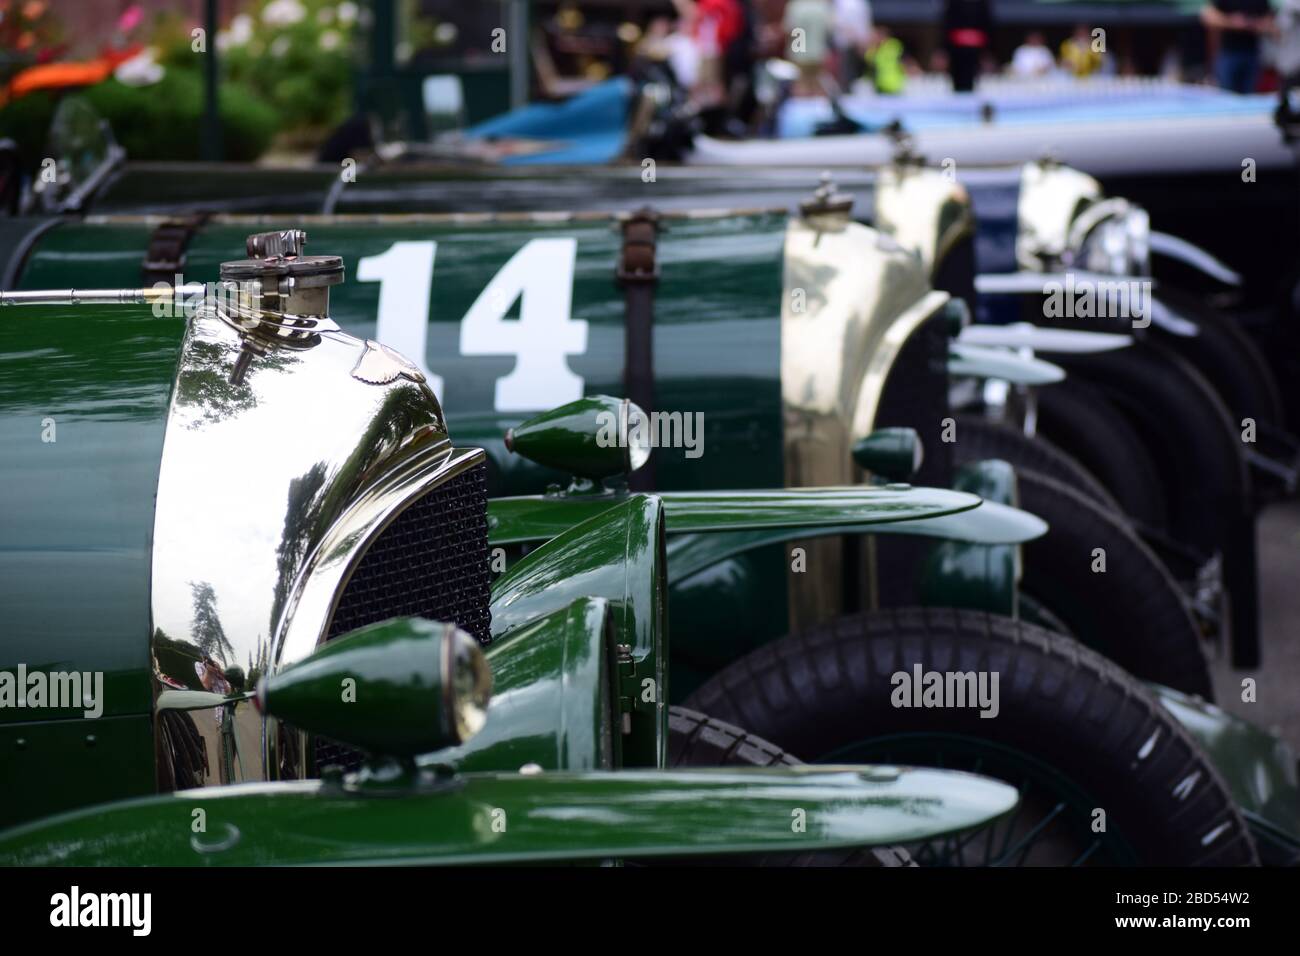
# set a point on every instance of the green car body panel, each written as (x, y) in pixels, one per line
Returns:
(83, 403)
(519, 818)
(552, 704)
(617, 555)
(1260, 769)
(983, 575)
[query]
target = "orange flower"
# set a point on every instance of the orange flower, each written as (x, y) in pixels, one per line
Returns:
(34, 9)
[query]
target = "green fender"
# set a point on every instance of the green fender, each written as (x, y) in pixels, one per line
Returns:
(1259, 768)
(520, 818)
(984, 576)
(618, 555)
(710, 531)
(551, 701)
(783, 514)
(973, 361)
(706, 528)
(989, 524)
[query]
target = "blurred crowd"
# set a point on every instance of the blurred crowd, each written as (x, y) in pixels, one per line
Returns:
(712, 45)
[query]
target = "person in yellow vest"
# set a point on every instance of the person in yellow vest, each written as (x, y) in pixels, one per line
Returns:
(884, 58)
(1078, 54)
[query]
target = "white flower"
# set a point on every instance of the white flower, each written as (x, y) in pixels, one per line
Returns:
(279, 46)
(241, 29)
(283, 13)
(347, 11)
(445, 33)
(330, 40)
(140, 70)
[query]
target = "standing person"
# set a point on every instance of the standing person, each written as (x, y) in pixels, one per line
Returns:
(739, 62)
(1235, 27)
(809, 45)
(852, 36)
(967, 25)
(1033, 58)
(1078, 55)
(884, 60)
(714, 25)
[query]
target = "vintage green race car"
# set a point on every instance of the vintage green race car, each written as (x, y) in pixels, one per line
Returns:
(1006, 231)
(227, 535)
(730, 595)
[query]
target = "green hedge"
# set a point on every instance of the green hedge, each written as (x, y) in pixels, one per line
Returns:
(162, 121)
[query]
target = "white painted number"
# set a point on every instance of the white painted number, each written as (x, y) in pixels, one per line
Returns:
(539, 276)
(405, 276)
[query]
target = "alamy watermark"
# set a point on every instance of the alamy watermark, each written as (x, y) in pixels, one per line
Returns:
(189, 298)
(1089, 298)
(54, 690)
(75, 908)
(655, 430)
(947, 689)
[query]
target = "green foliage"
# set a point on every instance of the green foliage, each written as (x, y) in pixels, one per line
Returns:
(296, 55)
(27, 121)
(162, 121)
(285, 67)
(165, 120)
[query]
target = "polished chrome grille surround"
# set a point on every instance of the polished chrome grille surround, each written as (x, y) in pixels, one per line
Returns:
(431, 562)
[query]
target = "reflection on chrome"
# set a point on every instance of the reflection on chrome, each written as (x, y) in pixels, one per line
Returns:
(1051, 197)
(924, 208)
(270, 491)
(852, 298)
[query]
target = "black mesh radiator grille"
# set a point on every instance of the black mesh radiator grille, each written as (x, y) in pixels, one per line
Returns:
(431, 562)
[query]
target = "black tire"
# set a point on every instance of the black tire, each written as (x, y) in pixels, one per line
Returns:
(1187, 431)
(1227, 357)
(1078, 418)
(697, 740)
(1134, 612)
(1202, 462)
(1089, 731)
(979, 439)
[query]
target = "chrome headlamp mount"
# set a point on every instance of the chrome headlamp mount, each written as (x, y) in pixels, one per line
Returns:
(1112, 237)
(277, 297)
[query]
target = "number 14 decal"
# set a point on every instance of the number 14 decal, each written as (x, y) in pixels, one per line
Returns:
(540, 276)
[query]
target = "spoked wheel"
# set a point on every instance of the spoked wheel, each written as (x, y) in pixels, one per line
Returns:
(1106, 773)
(1051, 826)
(697, 740)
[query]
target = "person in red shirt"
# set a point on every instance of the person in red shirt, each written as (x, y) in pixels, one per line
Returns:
(967, 25)
(715, 26)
